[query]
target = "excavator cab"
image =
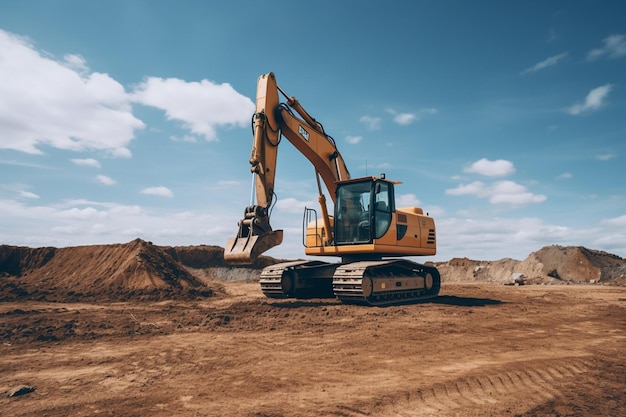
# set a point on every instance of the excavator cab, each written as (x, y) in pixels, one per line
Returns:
(363, 210)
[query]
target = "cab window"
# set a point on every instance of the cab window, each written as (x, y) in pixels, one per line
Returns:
(382, 208)
(352, 213)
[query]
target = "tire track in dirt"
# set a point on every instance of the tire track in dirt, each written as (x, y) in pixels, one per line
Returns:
(496, 390)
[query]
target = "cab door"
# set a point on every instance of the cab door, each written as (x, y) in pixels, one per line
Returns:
(383, 207)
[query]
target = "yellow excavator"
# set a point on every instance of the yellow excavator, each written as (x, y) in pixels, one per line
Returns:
(366, 230)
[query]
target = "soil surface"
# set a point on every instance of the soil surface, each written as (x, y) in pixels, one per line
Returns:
(477, 350)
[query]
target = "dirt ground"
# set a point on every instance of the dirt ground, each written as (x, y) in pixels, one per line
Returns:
(477, 350)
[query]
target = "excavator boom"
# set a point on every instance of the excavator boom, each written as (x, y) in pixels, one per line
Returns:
(273, 120)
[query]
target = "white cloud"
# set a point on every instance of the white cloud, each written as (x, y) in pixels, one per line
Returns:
(475, 188)
(372, 123)
(513, 194)
(616, 221)
(291, 205)
(606, 156)
(500, 192)
(103, 179)
(407, 200)
(565, 176)
(76, 63)
(492, 239)
(83, 222)
(594, 100)
(202, 107)
(353, 140)
(86, 213)
(158, 191)
(59, 104)
(498, 168)
(614, 47)
(121, 153)
(404, 119)
(88, 162)
(548, 62)
(28, 194)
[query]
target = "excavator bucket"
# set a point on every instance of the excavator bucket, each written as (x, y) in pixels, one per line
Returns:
(244, 250)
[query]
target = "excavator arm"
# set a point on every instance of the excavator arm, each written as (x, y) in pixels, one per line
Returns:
(272, 121)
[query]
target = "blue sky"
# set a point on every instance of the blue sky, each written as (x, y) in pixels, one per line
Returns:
(506, 121)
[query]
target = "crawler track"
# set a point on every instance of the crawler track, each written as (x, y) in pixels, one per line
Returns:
(378, 283)
(298, 279)
(383, 283)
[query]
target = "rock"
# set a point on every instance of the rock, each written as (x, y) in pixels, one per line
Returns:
(20, 390)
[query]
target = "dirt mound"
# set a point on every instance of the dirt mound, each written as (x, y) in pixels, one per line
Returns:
(17, 260)
(503, 271)
(137, 269)
(549, 265)
(206, 256)
(578, 264)
(207, 263)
